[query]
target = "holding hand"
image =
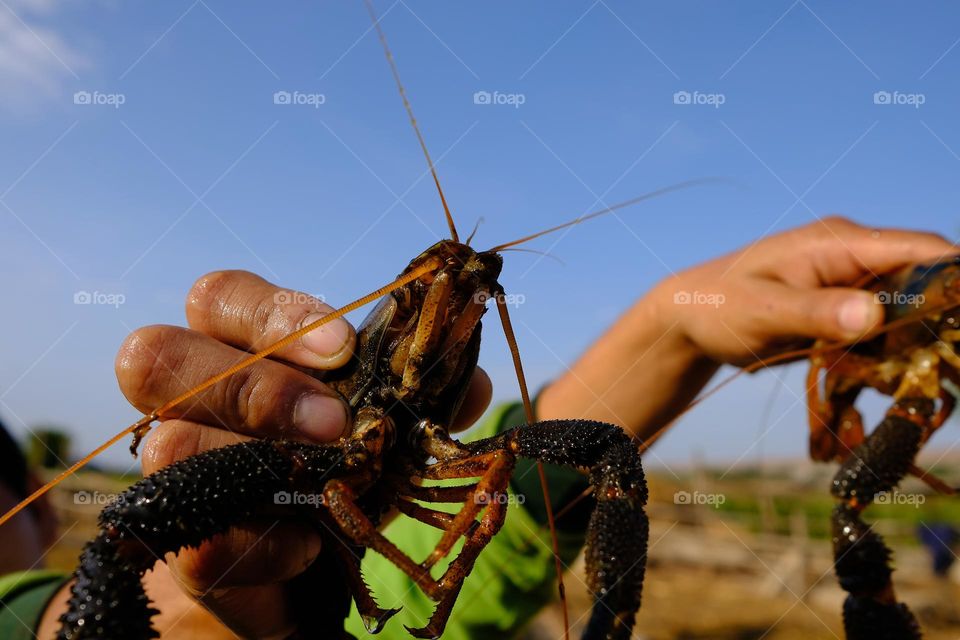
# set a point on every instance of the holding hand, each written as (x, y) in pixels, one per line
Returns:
(778, 293)
(242, 577)
(793, 286)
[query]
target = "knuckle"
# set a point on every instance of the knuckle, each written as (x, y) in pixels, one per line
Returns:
(242, 395)
(270, 316)
(139, 363)
(837, 222)
(176, 439)
(210, 293)
(259, 400)
(206, 287)
(264, 311)
(171, 442)
(837, 219)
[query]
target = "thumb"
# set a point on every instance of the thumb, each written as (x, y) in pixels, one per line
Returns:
(830, 313)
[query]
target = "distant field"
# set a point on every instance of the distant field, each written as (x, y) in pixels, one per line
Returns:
(765, 501)
(753, 561)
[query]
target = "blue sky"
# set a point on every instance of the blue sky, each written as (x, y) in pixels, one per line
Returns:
(198, 169)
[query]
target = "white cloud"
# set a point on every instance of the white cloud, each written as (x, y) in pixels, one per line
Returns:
(35, 60)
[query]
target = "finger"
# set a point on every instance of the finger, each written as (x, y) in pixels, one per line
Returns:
(253, 612)
(262, 611)
(479, 393)
(842, 251)
(175, 440)
(267, 398)
(246, 311)
(251, 553)
(830, 313)
(254, 553)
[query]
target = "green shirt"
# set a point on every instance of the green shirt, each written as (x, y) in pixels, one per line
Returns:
(23, 598)
(512, 579)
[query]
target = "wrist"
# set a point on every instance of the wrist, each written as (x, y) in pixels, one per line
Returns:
(665, 310)
(639, 374)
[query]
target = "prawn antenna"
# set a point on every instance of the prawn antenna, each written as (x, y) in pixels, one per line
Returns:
(413, 119)
(476, 228)
(679, 186)
(141, 426)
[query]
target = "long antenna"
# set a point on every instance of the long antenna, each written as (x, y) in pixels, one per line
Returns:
(620, 205)
(544, 485)
(413, 120)
(140, 427)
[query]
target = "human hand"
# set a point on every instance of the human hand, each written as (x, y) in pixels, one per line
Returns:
(243, 575)
(737, 309)
(788, 288)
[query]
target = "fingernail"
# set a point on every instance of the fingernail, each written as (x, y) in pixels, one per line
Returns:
(854, 315)
(319, 417)
(328, 340)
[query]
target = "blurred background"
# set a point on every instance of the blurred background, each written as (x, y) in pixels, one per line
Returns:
(145, 144)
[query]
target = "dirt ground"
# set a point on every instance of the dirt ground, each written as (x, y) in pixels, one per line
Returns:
(716, 582)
